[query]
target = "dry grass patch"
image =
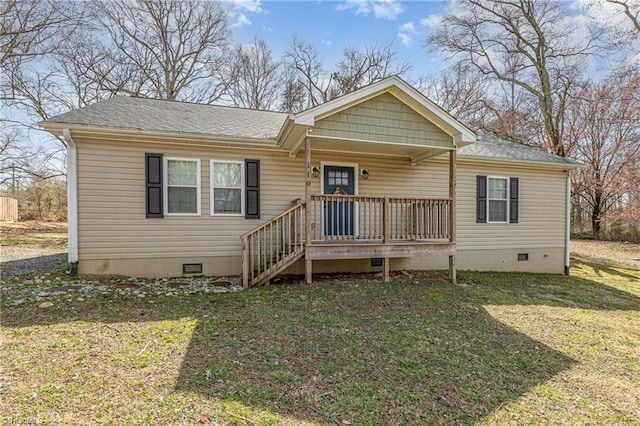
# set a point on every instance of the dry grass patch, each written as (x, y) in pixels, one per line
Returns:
(605, 253)
(31, 239)
(502, 348)
(496, 349)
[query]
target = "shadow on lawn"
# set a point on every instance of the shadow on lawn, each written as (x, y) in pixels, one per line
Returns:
(367, 352)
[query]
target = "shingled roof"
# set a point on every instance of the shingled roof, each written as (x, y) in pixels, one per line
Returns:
(493, 148)
(157, 115)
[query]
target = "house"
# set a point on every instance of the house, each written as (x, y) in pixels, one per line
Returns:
(378, 178)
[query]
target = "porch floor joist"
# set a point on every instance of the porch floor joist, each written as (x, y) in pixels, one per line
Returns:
(359, 250)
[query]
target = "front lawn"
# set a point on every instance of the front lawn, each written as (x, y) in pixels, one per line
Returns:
(496, 349)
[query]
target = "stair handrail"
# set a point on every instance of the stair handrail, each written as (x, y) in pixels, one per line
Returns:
(264, 225)
(258, 233)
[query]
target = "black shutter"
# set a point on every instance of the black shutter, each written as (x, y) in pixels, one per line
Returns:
(481, 205)
(252, 189)
(153, 171)
(513, 200)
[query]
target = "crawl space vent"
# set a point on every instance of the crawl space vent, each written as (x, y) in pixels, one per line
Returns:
(523, 256)
(192, 268)
(376, 261)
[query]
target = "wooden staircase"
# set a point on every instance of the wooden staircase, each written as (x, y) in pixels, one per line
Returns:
(273, 246)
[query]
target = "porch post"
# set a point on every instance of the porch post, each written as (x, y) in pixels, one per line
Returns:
(452, 213)
(308, 271)
(386, 221)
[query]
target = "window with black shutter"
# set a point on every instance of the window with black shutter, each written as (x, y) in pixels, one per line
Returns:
(252, 189)
(153, 193)
(496, 199)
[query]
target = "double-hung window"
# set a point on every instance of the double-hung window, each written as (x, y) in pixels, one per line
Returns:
(498, 199)
(182, 187)
(227, 183)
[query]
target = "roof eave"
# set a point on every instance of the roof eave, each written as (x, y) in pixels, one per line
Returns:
(488, 160)
(80, 130)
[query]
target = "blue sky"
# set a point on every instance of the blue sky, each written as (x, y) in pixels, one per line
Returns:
(333, 25)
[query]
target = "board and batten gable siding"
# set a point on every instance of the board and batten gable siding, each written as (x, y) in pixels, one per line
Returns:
(541, 209)
(386, 119)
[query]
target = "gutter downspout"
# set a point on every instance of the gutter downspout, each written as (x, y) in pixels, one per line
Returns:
(72, 199)
(567, 240)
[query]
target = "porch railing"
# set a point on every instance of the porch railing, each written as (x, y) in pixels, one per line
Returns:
(383, 219)
(273, 246)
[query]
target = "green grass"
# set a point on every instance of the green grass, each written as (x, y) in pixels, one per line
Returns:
(497, 349)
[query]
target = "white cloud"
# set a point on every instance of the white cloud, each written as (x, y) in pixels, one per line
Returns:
(384, 9)
(408, 27)
(431, 21)
(405, 38)
(387, 9)
(241, 21)
(253, 6)
(361, 6)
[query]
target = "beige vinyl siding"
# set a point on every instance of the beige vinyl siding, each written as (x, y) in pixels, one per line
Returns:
(386, 119)
(113, 229)
(541, 206)
(111, 188)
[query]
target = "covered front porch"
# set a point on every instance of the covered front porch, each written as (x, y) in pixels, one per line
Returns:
(343, 224)
(347, 212)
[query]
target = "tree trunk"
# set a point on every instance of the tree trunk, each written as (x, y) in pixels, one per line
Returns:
(595, 216)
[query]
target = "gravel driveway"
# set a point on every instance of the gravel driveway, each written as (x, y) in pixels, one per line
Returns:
(27, 266)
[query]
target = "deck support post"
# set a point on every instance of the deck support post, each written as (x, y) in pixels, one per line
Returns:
(386, 263)
(245, 263)
(452, 213)
(308, 263)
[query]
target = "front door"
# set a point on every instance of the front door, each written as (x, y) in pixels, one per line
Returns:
(339, 214)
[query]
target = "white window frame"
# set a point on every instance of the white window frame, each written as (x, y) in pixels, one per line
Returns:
(165, 185)
(506, 179)
(212, 187)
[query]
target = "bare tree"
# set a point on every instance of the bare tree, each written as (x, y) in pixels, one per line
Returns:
(460, 90)
(28, 27)
(292, 98)
(359, 68)
(355, 69)
(303, 58)
(631, 10)
(21, 160)
(167, 49)
(253, 77)
(159, 48)
(605, 132)
(526, 43)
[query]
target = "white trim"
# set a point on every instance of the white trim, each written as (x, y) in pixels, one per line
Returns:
(506, 199)
(567, 237)
(165, 186)
(356, 178)
(211, 188)
(72, 195)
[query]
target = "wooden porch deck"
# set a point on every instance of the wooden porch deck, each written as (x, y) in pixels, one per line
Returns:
(340, 227)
